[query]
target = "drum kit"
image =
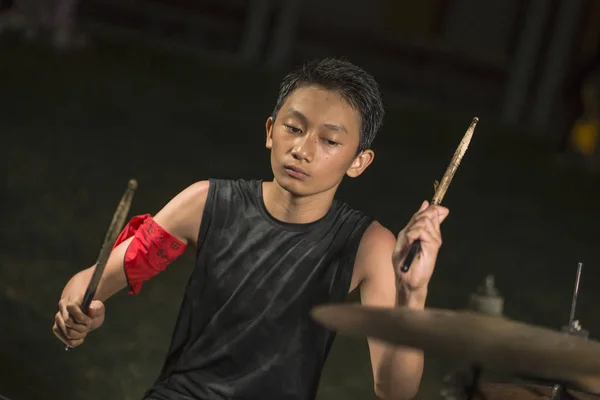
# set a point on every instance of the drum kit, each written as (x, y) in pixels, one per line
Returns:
(535, 362)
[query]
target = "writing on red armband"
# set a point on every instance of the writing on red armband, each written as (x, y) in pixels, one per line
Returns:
(150, 252)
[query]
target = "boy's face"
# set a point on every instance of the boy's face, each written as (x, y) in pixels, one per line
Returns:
(314, 140)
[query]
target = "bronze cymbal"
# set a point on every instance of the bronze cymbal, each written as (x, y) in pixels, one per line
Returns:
(495, 343)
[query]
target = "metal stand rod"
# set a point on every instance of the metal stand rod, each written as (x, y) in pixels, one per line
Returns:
(575, 293)
(559, 392)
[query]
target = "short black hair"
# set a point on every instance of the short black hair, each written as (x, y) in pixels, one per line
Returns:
(355, 85)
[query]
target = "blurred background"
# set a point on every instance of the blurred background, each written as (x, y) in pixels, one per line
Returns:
(93, 93)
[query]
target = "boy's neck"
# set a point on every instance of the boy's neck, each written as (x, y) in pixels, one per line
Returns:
(287, 207)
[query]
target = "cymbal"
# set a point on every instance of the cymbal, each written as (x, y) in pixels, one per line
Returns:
(492, 342)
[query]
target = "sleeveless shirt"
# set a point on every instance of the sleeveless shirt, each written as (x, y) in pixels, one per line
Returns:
(244, 329)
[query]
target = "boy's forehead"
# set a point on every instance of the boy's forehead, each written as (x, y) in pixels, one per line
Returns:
(316, 101)
(314, 92)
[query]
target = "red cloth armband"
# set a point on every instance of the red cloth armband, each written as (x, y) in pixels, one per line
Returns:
(150, 252)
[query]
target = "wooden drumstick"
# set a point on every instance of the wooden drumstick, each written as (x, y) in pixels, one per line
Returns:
(111, 236)
(442, 186)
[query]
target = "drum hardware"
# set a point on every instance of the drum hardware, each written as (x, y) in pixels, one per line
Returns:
(542, 359)
(487, 299)
(467, 385)
(572, 328)
(463, 384)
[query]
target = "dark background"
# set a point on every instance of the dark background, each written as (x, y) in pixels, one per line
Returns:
(175, 92)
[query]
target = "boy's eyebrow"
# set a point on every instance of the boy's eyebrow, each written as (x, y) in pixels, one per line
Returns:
(298, 115)
(334, 127)
(302, 117)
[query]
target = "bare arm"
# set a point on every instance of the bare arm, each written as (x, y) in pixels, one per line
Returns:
(396, 371)
(181, 217)
(113, 279)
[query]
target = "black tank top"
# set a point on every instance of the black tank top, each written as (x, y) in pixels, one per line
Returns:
(244, 330)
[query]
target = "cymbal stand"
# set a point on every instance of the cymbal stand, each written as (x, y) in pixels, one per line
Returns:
(573, 328)
(463, 384)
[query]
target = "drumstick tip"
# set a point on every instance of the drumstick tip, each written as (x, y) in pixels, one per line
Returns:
(132, 185)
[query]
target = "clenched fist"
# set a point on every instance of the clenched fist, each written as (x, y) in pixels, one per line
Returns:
(425, 227)
(71, 325)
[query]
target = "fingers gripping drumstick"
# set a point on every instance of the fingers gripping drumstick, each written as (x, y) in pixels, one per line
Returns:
(441, 187)
(114, 229)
